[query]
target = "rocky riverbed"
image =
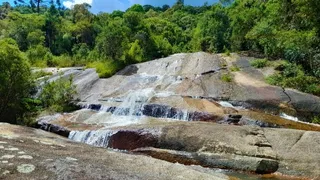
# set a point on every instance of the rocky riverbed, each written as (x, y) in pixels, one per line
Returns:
(178, 111)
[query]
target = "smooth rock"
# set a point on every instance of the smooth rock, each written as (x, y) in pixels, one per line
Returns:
(92, 163)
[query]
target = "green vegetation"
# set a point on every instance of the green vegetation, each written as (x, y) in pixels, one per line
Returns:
(316, 120)
(226, 77)
(40, 74)
(46, 34)
(105, 69)
(15, 82)
(259, 63)
(293, 76)
(57, 96)
(234, 68)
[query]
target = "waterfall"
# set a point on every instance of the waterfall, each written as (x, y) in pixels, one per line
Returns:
(98, 138)
(286, 116)
(133, 103)
(134, 106)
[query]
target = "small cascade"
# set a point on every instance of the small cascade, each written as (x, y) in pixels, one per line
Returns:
(166, 112)
(95, 138)
(133, 103)
(286, 116)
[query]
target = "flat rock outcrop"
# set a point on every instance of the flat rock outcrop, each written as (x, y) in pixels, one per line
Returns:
(27, 153)
(151, 108)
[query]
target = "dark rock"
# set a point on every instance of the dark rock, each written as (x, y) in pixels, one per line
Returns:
(129, 140)
(129, 70)
(208, 72)
(95, 107)
(47, 126)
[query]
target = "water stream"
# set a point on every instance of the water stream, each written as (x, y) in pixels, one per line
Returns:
(135, 107)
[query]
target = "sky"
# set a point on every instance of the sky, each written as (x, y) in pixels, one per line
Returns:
(111, 5)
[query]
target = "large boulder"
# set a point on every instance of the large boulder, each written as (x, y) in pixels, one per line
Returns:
(27, 153)
(298, 151)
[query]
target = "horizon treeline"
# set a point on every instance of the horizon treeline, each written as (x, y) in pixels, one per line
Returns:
(40, 33)
(51, 35)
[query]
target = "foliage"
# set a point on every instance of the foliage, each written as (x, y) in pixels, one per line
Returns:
(49, 35)
(259, 63)
(226, 77)
(58, 95)
(15, 81)
(40, 74)
(293, 76)
(234, 68)
(61, 61)
(107, 68)
(316, 120)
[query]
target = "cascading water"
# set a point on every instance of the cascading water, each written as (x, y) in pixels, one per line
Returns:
(132, 108)
(133, 103)
(95, 138)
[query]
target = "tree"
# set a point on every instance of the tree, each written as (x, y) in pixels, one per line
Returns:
(32, 3)
(136, 8)
(112, 41)
(4, 10)
(15, 81)
(20, 25)
(212, 33)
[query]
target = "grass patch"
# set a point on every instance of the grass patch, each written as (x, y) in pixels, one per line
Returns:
(259, 63)
(61, 61)
(234, 68)
(226, 77)
(106, 69)
(39, 74)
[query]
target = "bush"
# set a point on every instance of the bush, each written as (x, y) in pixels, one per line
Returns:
(106, 69)
(316, 120)
(226, 77)
(259, 63)
(36, 55)
(58, 95)
(39, 74)
(293, 76)
(62, 61)
(15, 81)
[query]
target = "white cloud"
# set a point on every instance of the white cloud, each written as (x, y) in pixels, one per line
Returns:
(69, 4)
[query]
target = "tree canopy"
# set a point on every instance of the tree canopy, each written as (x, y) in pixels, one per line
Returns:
(43, 33)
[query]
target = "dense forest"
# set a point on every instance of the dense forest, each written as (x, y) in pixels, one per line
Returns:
(38, 34)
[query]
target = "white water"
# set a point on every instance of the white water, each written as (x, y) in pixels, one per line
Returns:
(95, 138)
(285, 116)
(226, 104)
(134, 101)
(130, 110)
(229, 105)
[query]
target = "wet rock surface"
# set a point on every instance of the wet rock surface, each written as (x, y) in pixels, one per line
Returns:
(151, 108)
(54, 157)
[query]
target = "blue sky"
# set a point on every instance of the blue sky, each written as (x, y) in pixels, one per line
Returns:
(111, 5)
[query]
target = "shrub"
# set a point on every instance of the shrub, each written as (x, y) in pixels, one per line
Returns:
(234, 68)
(227, 52)
(16, 81)
(106, 69)
(62, 61)
(259, 63)
(39, 74)
(36, 55)
(226, 77)
(58, 95)
(316, 120)
(293, 76)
